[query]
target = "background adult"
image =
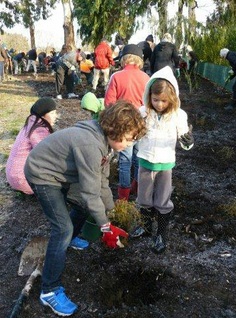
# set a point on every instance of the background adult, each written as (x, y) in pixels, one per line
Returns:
(147, 47)
(230, 56)
(67, 64)
(3, 60)
(19, 59)
(192, 60)
(32, 57)
(165, 54)
(102, 61)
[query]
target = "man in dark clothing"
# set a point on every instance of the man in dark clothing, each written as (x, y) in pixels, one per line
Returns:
(41, 58)
(165, 54)
(17, 60)
(193, 59)
(146, 47)
(32, 57)
(230, 56)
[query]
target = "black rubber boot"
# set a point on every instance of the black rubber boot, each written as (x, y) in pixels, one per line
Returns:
(159, 240)
(146, 228)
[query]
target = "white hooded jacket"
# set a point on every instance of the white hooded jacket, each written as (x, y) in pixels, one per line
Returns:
(158, 145)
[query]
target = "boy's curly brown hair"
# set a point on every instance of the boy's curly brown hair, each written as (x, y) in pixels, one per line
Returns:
(120, 119)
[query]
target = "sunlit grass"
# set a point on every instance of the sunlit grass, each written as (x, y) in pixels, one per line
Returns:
(16, 98)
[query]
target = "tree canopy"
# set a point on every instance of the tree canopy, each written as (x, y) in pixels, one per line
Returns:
(25, 12)
(101, 18)
(104, 18)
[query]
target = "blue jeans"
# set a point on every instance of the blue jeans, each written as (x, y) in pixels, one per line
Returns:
(89, 77)
(127, 158)
(53, 202)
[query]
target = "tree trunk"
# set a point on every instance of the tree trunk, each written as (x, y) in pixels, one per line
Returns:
(69, 36)
(192, 19)
(162, 10)
(179, 27)
(32, 36)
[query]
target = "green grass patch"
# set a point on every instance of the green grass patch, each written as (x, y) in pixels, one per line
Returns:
(16, 101)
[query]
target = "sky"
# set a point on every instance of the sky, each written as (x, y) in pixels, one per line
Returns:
(49, 33)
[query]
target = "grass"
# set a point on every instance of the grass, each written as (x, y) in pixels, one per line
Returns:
(16, 99)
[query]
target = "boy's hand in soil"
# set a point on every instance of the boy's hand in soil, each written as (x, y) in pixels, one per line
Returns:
(111, 235)
(187, 139)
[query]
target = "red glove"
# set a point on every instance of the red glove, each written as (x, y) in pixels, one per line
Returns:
(111, 238)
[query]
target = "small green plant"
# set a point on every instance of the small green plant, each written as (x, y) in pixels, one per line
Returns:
(191, 80)
(125, 215)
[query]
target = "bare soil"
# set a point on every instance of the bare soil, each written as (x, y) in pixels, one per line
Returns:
(195, 277)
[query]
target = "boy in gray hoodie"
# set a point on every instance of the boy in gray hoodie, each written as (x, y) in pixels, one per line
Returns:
(78, 155)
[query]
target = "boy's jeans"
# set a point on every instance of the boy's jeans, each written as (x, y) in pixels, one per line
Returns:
(128, 157)
(52, 200)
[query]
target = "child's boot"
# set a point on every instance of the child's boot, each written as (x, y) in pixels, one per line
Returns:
(123, 193)
(146, 228)
(159, 244)
(134, 187)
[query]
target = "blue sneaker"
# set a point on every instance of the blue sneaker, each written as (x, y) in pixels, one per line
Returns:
(58, 302)
(79, 244)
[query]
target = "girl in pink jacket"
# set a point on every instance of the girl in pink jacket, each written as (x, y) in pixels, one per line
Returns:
(38, 125)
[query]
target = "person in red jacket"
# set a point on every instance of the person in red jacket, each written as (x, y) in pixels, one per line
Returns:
(128, 84)
(103, 61)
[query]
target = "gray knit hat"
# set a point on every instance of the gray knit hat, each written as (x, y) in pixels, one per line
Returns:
(43, 106)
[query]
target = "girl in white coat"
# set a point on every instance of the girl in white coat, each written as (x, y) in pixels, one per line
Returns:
(166, 123)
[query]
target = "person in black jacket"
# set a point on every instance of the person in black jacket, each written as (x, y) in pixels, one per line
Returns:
(230, 56)
(146, 47)
(32, 57)
(165, 54)
(19, 61)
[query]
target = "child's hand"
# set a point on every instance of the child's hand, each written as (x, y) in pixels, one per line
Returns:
(187, 139)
